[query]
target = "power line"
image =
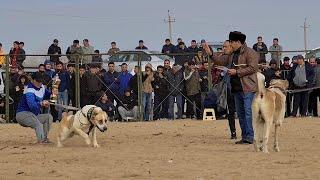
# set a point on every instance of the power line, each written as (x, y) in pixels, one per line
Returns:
(104, 19)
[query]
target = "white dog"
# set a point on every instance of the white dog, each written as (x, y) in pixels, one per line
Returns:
(89, 118)
(268, 107)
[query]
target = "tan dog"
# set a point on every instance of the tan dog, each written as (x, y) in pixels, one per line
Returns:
(268, 107)
(89, 118)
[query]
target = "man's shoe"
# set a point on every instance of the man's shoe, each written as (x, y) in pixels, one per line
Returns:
(248, 142)
(240, 142)
(233, 135)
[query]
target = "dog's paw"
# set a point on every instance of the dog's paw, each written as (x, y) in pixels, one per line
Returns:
(276, 149)
(96, 145)
(59, 145)
(88, 141)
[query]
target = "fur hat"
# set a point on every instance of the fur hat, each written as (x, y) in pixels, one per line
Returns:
(237, 36)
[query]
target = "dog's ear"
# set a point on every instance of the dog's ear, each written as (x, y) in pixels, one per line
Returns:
(97, 110)
(285, 85)
(105, 116)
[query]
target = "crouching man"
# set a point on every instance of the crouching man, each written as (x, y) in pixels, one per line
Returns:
(28, 114)
(128, 107)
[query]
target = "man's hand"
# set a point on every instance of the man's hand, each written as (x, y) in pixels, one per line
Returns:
(232, 72)
(45, 103)
(207, 49)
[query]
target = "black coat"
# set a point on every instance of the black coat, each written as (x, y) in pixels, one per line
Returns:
(262, 52)
(160, 85)
(52, 50)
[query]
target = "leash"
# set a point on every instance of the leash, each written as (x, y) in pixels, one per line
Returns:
(301, 90)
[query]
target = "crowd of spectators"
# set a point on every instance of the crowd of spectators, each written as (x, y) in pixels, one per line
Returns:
(182, 82)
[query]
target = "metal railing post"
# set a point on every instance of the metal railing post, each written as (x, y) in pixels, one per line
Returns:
(7, 89)
(77, 82)
(209, 73)
(140, 105)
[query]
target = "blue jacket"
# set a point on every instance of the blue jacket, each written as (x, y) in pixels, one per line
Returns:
(31, 99)
(65, 80)
(111, 82)
(124, 79)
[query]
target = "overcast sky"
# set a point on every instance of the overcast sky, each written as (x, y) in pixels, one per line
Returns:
(38, 22)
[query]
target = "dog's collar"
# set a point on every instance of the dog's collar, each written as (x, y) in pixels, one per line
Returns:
(88, 116)
(89, 113)
(282, 90)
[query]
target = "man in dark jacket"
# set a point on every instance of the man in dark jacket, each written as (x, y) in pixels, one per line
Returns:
(181, 59)
(94, 85)
(141, 46)
(301, 77)
(63, 86)
(194, 49)
(168, 48)
(272, 72)
(17, 55)
(314, 94)
(129, 106)
(285, 69)
(111, 79)
(160, 86)
(54, 49)
(106, 105)
(262, 49)
(176, 86)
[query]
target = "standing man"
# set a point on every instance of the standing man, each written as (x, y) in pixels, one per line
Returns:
(111, 79)
(313, 97)
(2, 57)
(193, 90)
(194, 49)
(168, 48)
(63, 87)
(181, 59)
(141, 46)
(244, 83)
(285, 69)
(262, 49)
(301, 76)
(74, 51)
(54, 49)
(22, 57)
(114, 49)
(93, 85)
(124, 78)
(277, 48)
(160, 86)
(176, 86)
(28, 112)
(87, 49)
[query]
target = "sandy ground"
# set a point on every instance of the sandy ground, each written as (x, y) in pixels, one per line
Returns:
(162, 150)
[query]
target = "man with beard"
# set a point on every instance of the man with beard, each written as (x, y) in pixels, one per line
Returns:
(262, 49)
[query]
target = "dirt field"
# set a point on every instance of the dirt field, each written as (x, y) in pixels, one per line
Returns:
(162, 150)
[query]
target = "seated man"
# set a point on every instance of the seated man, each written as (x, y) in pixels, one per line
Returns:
(106, 105)
(128, 106)
(28, 111)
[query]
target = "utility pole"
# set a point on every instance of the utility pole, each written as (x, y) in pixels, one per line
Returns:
(170, 20)
(305, 26)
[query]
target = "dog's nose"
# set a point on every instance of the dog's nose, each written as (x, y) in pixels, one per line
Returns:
(105, 128)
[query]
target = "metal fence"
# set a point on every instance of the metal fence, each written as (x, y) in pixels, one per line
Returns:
(136, 61)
